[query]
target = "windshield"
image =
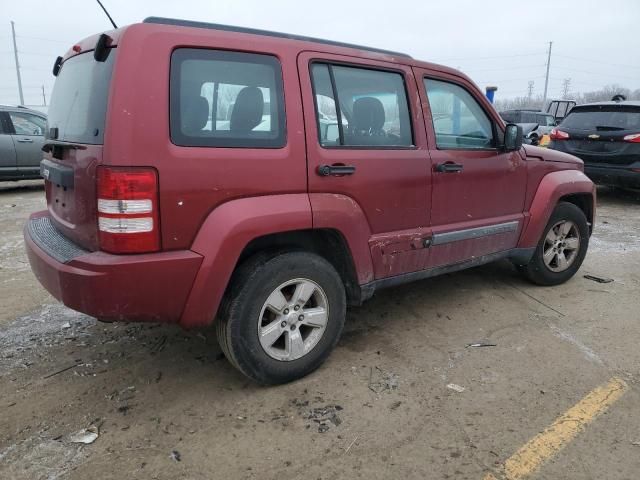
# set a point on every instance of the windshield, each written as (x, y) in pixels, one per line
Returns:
(603, 118)
(79, 99)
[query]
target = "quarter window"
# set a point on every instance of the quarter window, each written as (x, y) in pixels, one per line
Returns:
(458, 120)
(226, 99)
(371, 108)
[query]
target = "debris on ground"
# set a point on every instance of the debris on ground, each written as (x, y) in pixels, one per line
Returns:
(175, 456)
(386, 380)
(455, 388)
(598, 279)
(66, 325)
(324, 417)
(159, 345)
(61, 371)
(481, 343)
(86, 435)
(635, 444)
(395, 405)
(351, 444)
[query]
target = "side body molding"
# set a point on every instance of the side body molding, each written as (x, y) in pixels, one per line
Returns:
(552, 187)
(223, 236)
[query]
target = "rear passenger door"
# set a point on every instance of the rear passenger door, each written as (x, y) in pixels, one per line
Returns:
(478, 188)
(366, 154)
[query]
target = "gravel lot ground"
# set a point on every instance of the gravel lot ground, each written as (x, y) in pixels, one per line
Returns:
(167, 405)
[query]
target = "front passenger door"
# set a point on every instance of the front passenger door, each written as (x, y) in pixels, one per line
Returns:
(7, 150)
(478, 188)
(28, 138)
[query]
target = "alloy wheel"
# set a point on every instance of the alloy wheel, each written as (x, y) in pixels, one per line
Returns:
(293, 319)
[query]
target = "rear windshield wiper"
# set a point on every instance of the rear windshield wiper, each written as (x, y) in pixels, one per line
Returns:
(604, 127)
(49, 145)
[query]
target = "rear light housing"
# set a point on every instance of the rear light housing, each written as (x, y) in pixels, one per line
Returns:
(128, 210)
(633, 138)
(558, 135)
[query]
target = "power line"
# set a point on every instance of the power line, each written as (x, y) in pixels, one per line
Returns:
(490, 57)
(43, 39)
(589, 60)
(503, 68)
(637, 79)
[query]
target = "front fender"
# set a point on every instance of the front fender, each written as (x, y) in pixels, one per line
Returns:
(223, 236)
(551, 189)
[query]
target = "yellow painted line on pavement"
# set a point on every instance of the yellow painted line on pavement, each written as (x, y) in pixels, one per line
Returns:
(553, 439)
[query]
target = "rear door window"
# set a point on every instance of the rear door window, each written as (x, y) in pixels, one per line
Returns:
(226, 99)
(458, 120)
(371, 111)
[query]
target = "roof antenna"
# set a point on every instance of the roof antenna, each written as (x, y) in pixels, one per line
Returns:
(107, 13)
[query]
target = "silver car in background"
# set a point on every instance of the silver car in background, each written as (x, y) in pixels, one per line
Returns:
(21, 138)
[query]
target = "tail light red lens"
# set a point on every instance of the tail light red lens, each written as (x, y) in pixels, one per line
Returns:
(633, 138)
(128, 210)
(558, 135)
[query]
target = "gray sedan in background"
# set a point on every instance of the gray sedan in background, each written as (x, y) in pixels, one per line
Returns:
(21, 139)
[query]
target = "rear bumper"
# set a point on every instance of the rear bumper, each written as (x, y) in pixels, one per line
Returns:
(614, 175)
(146, 287)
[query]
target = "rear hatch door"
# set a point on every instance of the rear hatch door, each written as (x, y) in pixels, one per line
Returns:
(74, 145)
(597, 132)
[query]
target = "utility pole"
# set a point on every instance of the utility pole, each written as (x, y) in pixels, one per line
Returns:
(546, 78)
(15, 53)
(44, 98)
(530, 90)
(566, 85)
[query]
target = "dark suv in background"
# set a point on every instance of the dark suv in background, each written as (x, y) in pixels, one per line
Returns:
(606, 136)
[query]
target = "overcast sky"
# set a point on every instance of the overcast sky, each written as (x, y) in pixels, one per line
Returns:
(595, 43)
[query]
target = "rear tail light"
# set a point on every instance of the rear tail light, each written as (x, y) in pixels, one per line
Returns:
(128, 210)
(633, 138)
(558, 135)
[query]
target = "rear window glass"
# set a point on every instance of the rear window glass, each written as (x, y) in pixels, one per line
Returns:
(603, 118)
(79, 99)
(226, 99)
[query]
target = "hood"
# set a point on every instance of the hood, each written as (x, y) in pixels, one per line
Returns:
(549, 155)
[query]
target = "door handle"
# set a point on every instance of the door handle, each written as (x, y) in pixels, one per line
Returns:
(336, 169)
(25, 140)
(449, 167)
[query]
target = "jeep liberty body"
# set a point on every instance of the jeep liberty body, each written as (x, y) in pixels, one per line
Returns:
(203, 174)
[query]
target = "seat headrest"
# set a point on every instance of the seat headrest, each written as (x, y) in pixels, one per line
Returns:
(195, 114)
(368, 114)
(247, 111)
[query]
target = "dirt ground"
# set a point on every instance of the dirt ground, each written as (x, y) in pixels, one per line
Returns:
(167, 405)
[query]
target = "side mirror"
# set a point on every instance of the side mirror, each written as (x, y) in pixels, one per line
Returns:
(512, 137)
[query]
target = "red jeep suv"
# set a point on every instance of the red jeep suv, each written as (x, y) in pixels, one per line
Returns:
(199, 173)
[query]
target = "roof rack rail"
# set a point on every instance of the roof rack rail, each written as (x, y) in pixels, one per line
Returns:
(268, 33)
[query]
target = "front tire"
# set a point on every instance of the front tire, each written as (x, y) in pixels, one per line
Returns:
(561, 249)
(282, 317)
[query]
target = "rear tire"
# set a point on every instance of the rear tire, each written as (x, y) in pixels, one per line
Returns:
(259, 338)
(561, 249)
